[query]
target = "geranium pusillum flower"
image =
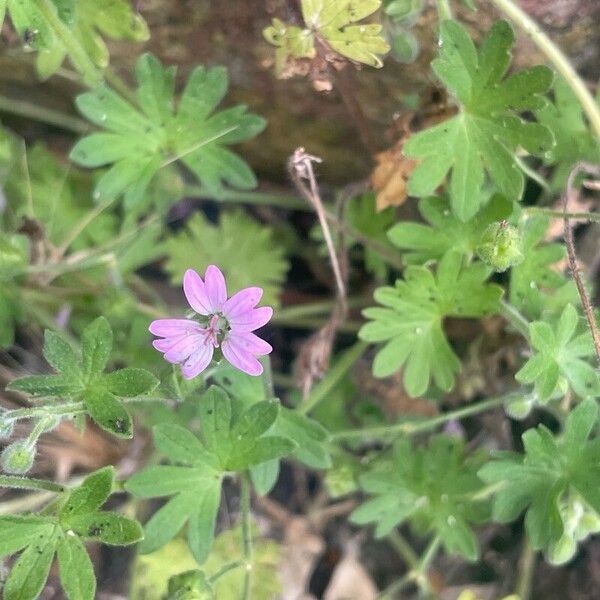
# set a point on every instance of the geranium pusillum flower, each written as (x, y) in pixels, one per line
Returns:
(220, 322)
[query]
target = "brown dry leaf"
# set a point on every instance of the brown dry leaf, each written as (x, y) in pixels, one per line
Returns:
(390, 177)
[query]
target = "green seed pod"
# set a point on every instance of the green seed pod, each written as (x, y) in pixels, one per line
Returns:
(500, 246)
(18, 457)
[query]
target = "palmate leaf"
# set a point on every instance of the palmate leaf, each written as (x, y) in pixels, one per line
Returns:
(244, 249)
(228, 442)
(534, 277)
(574, 140)
(434, 488)
(335, 23)
(81, 377)
(39, 538)
(423, 243)
(484, 136)
(138, 144)
(411, 322)
(560, 352)
(88, 21)
(550, 469)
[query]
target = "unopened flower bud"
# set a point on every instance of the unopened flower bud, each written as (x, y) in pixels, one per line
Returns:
(500, 246)
(18, 457)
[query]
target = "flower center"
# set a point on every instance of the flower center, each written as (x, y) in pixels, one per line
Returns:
(216, 330)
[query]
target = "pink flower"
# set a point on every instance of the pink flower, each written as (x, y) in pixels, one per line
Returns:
(224, 323)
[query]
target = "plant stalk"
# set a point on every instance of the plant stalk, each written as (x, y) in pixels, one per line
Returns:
(26, 483)
(246, 534)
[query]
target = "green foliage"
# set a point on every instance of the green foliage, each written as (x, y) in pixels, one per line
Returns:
(138, 144)
(58, 197)
(245, 250)
(81, 377)
(412, 321)
(231, 440)
(534, 277)
(434, 488)
(151, 572)
(190, 585)
(574, 140)
(559, 353)
(87, 19)
(423, 243)
(486, 133)
(403, 14)
(553, 472)
(38, 538)
(333, 22)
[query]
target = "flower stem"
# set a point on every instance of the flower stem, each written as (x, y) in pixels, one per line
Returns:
(290, 202)
(404, 549)
(556, 57)
(341, 367)
(418, 426)
(515, 318)
(71, 408)
(77, 54)
(526, 569)
(26, 483)
(23, 108)
(246, 534)
(236, 564)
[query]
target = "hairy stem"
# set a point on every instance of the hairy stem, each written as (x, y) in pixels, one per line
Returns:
(258, 198)
(444, 10)
(26, 483)
(559, 214)
(23, 108)
(236, 564)
(418, 426)
(526, 569)
(246, 534)
(515, 318)
(556, 57)
(71, 408)
(404, 549)
(75, 50)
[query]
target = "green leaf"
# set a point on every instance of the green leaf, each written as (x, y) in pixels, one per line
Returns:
(96, 346)
(127, 383)
(574, 139)
(203, 518)
(411, 322)
(423, 243)
(107, 527)
(44, 385)
(245, 250)
(549, 472)
(333, 22)
(433, 488)
(180, 445)
(484, 136)
(16, 532)
(28, 575)
(87, 20)
(76, 570)
(108, 412)
(90, 495)
(61, 356)
(559, 351)
(535, 276)
(215, 415)
(141, 143)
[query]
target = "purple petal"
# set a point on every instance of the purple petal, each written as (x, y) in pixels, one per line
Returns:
(214, 284)
(242, 301)
(184, 348)
(249, 342)
(251, 319)
(197, 362)
(240, 358)
(195, 292)
(173, 327)
(165, 344)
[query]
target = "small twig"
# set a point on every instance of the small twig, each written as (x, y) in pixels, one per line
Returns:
(314, 357)
(572, 195)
